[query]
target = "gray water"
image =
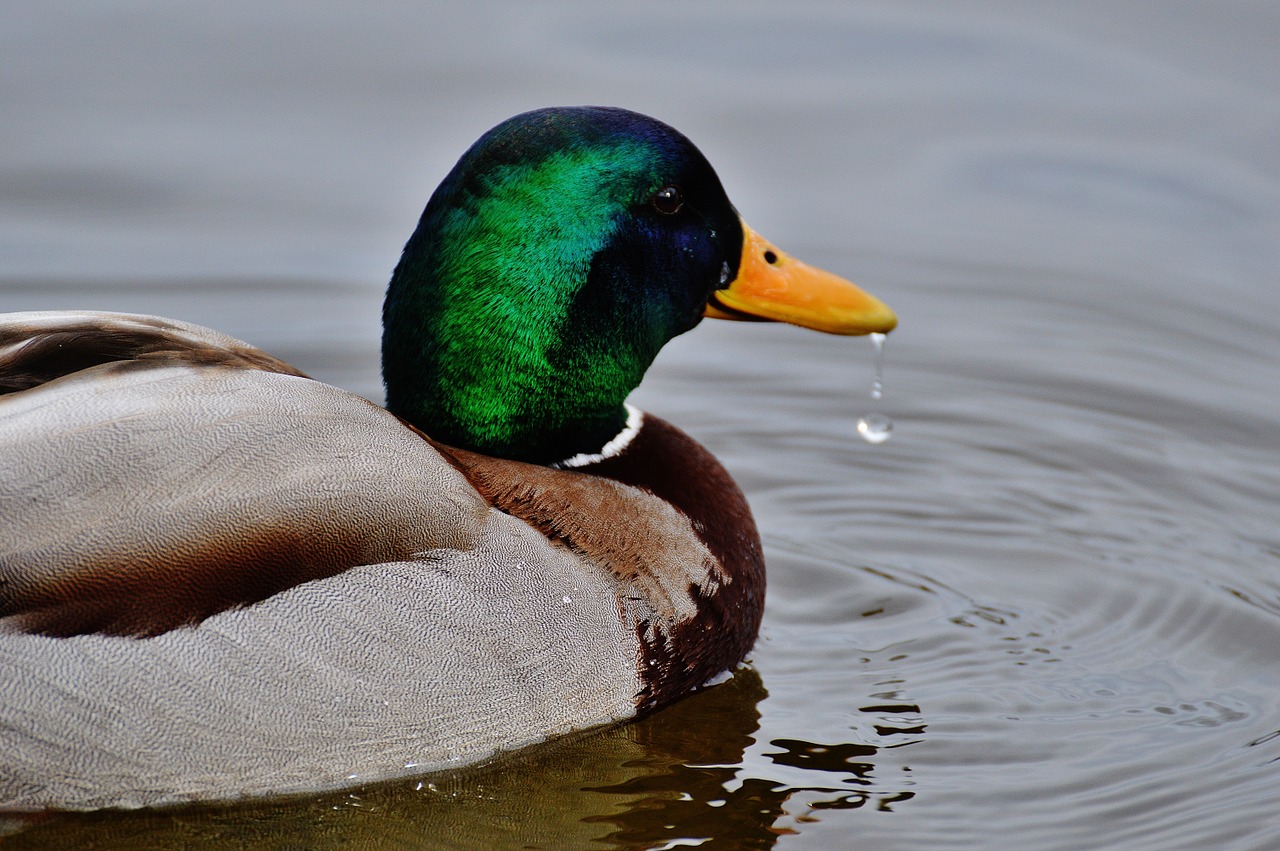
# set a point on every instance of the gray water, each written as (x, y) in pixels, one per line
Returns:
(1045, 614)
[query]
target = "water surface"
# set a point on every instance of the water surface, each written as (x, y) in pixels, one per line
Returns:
(1046, 614)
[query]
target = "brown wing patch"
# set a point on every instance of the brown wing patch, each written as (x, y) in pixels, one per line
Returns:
(38, 348)
(144, 596)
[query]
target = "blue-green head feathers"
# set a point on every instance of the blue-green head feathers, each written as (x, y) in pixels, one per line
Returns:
(565, 248)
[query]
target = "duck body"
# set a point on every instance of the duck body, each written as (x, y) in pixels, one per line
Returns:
(220, 578)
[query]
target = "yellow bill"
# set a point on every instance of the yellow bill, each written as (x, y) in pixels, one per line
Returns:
(774, 286)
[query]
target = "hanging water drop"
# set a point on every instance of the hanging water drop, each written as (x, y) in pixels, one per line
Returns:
(876, 428)
(877, 383)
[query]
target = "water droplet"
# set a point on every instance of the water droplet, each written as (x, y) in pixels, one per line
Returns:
(875, 428)
(877, 383)
(566, 599)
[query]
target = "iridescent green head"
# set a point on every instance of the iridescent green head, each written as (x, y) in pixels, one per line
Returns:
(565, 248)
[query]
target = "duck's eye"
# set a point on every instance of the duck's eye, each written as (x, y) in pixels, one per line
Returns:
(668, 200)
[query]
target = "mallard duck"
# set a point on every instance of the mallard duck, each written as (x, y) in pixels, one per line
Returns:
(220, 578)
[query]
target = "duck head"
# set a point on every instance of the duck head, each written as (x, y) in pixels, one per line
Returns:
(565, 248)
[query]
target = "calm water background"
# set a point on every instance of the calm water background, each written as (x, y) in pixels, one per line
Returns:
(1046, 614)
